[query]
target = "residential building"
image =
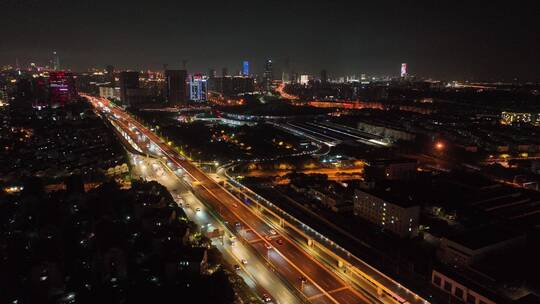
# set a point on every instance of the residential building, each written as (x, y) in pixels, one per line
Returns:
(389, 212)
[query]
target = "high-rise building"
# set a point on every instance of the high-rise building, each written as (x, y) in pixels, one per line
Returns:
(56, 61)
(109, 92)
(231, 86)
(198, 88)
(212, 73)
(224, 72)
(245, 68)
(304, 79)
(110, 75)
(61, 88)
(324, 76)
(403, 70)
(268, 75)
(3, 94)
(175, 86)
(128, 80)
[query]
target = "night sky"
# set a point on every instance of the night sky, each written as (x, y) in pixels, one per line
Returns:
(475, 40)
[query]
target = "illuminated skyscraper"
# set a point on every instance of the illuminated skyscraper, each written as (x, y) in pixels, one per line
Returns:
(304, 79)
(403, 70)
(175, 86)
(61, 88)
(198, 88)
(245, 68)
(268, 75)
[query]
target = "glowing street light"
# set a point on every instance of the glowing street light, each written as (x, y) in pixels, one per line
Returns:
(439, 146)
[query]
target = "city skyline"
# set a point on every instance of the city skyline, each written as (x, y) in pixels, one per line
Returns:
(473, 42)
(269, 152)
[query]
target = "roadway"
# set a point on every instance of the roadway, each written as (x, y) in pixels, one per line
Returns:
(255, 273)
(289, 260)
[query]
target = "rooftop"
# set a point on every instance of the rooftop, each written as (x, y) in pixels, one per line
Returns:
(485, 236)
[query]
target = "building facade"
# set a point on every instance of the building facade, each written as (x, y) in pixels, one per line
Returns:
(400, 218)
(61, 88)
(128, 81)
(458, 290)
(268, 75)
(109, 92)
(175, 86)
(198, 88)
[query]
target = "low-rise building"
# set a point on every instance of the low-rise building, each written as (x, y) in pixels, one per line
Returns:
(469, 247)
(391, 169)
(460, 289)
(109, 92)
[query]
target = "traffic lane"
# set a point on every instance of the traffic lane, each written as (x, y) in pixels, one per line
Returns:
(308, 267)
(347, 296)
(318, 272)
(254, 272)
(312, 269)
(323, 277)
(279, 264)
(236, 254)
(225, 196)
(327, 260)
(291, 274)
(276, 262)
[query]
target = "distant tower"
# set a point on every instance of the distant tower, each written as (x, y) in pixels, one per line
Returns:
(324, 76)
(403, 70)
(128, 81)
(198, 88)
(61, 88)
(175, 86)
(268, 74)
(56, 61)
(245, 68)
(212, 73)
(224, 72)
(110, 75)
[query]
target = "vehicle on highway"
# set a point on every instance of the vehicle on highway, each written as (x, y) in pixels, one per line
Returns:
(272, 232)
(238, 225)
(268, 246)
(268, 238)
(236, 267)
(303, 280)
(244, 261)
(232, 240)
(280, 241)
(197, 209)
(266, 298)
